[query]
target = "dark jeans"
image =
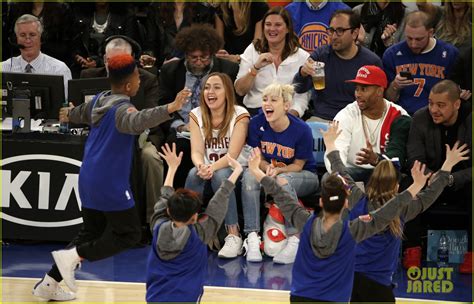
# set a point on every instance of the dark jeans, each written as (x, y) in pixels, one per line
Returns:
(367, 290)
(104, 234)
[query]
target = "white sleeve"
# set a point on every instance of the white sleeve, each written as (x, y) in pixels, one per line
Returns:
(247, 60)
(343, 141)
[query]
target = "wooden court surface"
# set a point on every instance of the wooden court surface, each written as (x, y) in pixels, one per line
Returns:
(15, 290)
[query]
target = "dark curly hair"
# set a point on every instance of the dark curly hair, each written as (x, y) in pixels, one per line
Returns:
(202, 37)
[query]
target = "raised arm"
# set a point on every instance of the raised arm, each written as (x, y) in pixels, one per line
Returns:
(287, 203)
(367, 225)
(173, 160)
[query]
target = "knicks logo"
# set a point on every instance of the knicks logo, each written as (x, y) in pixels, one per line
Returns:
(313, 35)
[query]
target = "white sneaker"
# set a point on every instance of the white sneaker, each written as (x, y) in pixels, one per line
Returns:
(232, 247)
(67, 261)
(288, 254)
(49, 289)
(252, 247)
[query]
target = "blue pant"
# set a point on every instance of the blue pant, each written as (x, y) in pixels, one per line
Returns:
(195, 183)
(301, 183)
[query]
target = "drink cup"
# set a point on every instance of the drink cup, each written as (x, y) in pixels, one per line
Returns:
(319, 76)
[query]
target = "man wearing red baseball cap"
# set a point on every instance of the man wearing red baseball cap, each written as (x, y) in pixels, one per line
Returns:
(371, 125)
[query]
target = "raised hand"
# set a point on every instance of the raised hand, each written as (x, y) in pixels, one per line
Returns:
(455, 155)
(234, 164)
(181, 98)
(254, 159)
(418, 174)
(330, 135)
(169, 155)
(205, 172)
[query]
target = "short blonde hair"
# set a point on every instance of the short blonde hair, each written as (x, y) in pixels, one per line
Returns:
(285, 91)
(27, 18)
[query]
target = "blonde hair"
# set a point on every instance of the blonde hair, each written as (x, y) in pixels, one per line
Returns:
(383, 186)
(285, 91)
(453, 30)
(230, 103)
(243, 17)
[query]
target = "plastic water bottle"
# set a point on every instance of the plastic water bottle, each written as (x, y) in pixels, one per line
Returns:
(64, 126)
(443, 250)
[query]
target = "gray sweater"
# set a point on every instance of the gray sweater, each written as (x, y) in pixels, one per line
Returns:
(171, 240)
(128, 119)
(324, 243)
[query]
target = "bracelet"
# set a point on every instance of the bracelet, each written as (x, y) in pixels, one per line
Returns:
(255, 67)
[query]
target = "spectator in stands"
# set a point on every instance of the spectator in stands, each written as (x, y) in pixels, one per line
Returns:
(311, 21)
(28, 30)
(414, 65)
(383, 23)
(342, 58)
(239, 23)
(57, 30)
(371, 126)
(275, 57)
(93, 23)
(164, 20)
(286, 143)
(182, 79)
(152, 165)
(452, 22)
(218, 127)
(462, 73)
(443, 122)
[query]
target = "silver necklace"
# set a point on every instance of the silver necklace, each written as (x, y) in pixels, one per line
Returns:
(371, 135)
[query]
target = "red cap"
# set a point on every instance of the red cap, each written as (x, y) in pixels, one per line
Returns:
(370, 75)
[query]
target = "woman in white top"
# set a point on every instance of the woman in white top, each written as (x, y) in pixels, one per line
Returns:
(274, 58)
(218, 126)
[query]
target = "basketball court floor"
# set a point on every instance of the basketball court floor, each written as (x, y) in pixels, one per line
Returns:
(121, 279)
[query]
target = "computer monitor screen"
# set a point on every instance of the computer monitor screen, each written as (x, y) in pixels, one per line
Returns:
(84, 89)
(46, 93)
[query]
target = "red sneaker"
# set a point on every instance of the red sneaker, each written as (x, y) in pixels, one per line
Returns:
(412, 257)
(466, 266)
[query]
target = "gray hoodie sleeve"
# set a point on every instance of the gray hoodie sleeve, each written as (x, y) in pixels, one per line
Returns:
(215, 213)
(380, 218)
(131, 121)
(426, 198)
(160, 213)
(81, 114)
(292, 211)
(338, 166)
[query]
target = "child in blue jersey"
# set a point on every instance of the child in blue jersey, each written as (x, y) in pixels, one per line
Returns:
(376, 257)
(177, 263)
(324, 265)
(110, 220)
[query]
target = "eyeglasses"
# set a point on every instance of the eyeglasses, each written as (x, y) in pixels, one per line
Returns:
(339, 31)
(196, 58)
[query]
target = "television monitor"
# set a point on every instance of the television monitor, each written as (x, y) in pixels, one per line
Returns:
(46, 93)
(84, 89)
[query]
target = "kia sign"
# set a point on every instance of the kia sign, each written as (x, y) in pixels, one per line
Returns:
(13, 188)
(40, 192)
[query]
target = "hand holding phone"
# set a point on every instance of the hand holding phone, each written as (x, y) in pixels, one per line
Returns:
(407, 75)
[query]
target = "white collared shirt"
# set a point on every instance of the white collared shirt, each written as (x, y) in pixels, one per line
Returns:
(320, 6)
(43, 64)
(269, 74)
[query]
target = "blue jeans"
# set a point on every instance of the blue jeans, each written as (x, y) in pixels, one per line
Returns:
(195, 183)
(301, 183)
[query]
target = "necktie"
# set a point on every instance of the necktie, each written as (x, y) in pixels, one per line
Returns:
(28, 68)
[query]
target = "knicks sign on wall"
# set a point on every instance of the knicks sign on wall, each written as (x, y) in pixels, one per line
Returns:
(41, 190)
(313, 35)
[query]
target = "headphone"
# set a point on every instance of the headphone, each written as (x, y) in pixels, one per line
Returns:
(136, 48)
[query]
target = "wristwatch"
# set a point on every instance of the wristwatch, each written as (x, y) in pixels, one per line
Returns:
(450, 180)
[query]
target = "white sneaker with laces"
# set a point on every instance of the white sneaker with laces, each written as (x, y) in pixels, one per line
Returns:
(67, 261)
(288, 254)
(232, 247)
(252, 247)
(49, 289)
